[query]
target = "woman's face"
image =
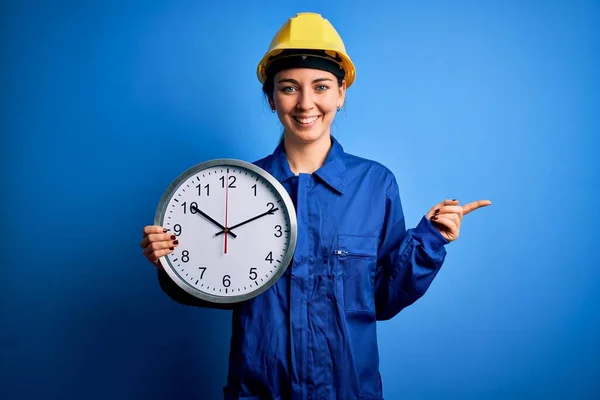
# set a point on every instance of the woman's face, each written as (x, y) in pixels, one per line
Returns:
(306, 101)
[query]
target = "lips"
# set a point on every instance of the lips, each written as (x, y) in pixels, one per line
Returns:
(306, 120)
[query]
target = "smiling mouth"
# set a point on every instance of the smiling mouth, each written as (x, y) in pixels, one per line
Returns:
(306, 120)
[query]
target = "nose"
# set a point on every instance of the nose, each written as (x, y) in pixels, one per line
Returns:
(305, 101)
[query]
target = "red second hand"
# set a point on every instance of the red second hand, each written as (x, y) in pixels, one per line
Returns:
(226, 208)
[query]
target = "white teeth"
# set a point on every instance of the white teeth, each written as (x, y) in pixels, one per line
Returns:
(306, 120)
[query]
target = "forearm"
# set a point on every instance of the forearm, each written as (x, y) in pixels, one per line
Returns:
(406, 273)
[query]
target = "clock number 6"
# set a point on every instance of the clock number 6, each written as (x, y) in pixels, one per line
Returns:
(226, 281)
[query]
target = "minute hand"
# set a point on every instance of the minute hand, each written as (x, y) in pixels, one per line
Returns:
(271, 211)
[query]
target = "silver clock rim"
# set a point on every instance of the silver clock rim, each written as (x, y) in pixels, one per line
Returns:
(287, 257)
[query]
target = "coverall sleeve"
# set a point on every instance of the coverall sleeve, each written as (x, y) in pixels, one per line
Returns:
(408, 260)
(182, 297)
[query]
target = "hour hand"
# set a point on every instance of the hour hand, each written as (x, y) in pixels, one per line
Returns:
(208, 217)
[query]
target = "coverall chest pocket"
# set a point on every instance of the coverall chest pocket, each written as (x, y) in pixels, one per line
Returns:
(355, 262)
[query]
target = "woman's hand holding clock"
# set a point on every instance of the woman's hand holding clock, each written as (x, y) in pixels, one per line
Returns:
(157, 242)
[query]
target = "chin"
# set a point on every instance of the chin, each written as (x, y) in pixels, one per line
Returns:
(307, 137)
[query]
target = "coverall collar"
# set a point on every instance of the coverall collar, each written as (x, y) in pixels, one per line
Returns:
(331, 172)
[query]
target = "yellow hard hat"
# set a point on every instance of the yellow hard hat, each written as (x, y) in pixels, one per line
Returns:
(308, 31)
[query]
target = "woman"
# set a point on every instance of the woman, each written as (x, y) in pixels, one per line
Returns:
(312, 335)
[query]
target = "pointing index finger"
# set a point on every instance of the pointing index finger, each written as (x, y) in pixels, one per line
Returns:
(474, 205)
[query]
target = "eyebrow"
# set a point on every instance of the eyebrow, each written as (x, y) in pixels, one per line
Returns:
(295, 82)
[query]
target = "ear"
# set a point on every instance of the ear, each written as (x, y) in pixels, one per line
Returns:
(272, 103)
(342, 94)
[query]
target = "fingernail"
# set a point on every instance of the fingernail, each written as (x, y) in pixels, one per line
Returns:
(437, 210)
(433, 218)
(176, 242)
(165, 230)
(171, 248)
(454, 199)
(173, 237)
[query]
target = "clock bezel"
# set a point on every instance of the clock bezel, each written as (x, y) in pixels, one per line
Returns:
(289, 205)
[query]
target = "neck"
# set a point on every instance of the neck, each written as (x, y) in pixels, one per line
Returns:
(306, 157)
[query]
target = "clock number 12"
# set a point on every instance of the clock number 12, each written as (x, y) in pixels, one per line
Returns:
(231, 181)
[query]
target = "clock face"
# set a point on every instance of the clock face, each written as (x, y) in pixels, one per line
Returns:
(236, 227)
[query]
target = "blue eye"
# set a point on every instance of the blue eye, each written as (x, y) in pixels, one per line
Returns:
(288, 89)
(321, 88)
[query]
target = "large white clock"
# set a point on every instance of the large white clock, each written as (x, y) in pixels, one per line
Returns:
(236, 227)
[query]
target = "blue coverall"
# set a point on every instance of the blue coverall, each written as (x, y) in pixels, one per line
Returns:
(312, 335)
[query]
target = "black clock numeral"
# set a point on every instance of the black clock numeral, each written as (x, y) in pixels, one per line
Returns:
(177, 229)
(185, 256)
(231, 181)
(253, 274)
(254, 187)
(271, 208)
(199, 187)
(269, 257)
(226, 281)
(193, 207)
(278, 232)
(203, 270)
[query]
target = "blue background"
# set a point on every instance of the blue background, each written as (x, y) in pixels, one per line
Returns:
(104, 103)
